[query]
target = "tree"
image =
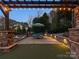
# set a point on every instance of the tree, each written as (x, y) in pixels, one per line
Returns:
(38, 28)
(44, 19)
(62, 22)
(18, 31)
(35, 20)
(23, 31)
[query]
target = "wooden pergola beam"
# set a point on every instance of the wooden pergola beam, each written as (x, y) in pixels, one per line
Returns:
(41, 2)
(6, 22)
(41, 6)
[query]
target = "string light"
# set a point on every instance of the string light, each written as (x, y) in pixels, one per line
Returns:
(60, 8)
(69, 9)
(55, 9)
(64, 8)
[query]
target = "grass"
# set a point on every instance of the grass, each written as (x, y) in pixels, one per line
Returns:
(37, 51)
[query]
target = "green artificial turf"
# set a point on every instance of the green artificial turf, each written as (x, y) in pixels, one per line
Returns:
(37, 51)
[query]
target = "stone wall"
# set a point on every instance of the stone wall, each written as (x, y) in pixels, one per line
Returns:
(74, 34)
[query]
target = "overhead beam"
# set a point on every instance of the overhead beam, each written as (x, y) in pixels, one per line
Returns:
(6, 22)
(41, 6)
(46, 4)
(41, 2)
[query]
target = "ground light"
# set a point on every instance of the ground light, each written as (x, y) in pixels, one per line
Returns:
(45, 34)
(65, 41)
(55, 36)
(64, 45)
(51, 35)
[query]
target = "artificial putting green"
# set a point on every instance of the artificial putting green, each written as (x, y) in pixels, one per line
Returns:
(37, 51)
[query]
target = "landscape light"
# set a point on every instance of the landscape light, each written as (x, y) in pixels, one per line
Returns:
(64, 45)
(65, 41)
(45, 34)
(55, 36)
(51, 35)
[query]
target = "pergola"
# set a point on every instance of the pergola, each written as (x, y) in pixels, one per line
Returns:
(6, 5)
(40, 3)
(34, 4)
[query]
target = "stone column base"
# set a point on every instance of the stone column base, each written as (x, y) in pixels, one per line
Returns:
(74, 37)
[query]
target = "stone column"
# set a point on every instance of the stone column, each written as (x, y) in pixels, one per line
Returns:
(76, 13)
(74, 34)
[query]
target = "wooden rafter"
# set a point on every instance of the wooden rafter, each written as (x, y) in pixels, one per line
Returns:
(40, 4)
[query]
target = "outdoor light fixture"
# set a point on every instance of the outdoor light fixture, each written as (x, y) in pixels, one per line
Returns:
(64, 8)
(69, 9)
(76, 10)
(51, 35)
(45, 34)
(55, 9)
(60, 8)
(65, 41)
(55, 36)
(5, 8)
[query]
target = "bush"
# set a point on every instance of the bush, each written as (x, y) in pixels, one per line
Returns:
(38, 29)
(21, 31)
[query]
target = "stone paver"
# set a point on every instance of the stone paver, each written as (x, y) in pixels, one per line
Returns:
(31, 40)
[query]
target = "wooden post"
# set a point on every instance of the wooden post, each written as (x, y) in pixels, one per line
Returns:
(73, 19)
(6, 19)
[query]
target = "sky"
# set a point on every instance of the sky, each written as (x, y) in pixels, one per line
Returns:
(23, 15)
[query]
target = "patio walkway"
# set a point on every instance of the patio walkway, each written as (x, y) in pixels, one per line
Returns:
(31, 40)
(31, 48)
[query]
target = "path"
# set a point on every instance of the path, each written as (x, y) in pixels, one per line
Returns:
(31, 40)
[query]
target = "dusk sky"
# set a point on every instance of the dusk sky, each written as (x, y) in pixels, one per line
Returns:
(23, 15)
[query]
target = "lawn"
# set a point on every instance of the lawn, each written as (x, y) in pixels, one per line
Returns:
(37, 51)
